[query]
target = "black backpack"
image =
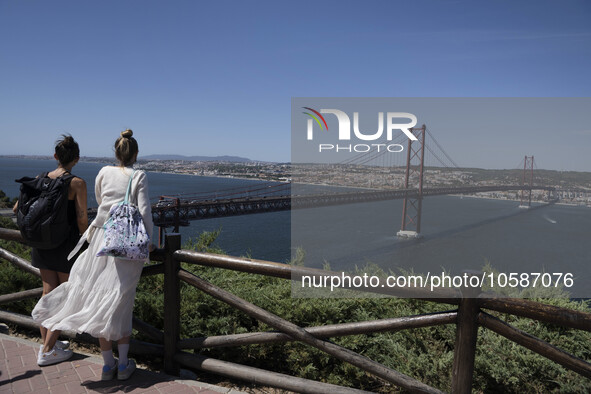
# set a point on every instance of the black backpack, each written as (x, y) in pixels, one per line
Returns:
(42, 214)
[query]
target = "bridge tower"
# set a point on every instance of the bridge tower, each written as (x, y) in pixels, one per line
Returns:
(528, 180)
(412, 206)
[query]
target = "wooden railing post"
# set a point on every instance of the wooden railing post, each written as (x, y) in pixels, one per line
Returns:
(172, 304)
(466, 334)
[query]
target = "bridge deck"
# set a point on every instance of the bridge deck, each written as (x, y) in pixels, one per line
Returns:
(183, 211)
(19, 373)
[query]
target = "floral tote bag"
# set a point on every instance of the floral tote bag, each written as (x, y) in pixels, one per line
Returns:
(125, 233)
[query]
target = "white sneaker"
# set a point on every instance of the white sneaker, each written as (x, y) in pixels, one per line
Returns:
(62, 345)
(110, 373)
(125, 372)
(56, 355)
(58, 344)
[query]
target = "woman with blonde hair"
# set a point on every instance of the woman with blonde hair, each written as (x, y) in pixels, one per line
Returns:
(98, 299)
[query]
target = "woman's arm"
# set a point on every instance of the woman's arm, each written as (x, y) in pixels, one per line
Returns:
(15, 208)
(143, 203)
(98, 181)
(79, 187)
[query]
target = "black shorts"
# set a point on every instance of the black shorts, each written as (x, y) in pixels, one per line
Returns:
(56, 259)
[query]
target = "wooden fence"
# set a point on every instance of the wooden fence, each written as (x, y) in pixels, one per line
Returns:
(468, 316)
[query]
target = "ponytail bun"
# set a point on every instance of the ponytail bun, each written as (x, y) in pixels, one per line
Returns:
(126, 148)
(66, 150)
(127, 133)
(67, 140)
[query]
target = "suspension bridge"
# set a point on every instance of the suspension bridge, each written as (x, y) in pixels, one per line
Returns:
(179, 210)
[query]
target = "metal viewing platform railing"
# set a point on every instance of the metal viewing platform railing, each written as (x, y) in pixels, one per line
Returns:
(468, 316)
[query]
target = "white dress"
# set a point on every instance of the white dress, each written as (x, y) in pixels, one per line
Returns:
(99, 295)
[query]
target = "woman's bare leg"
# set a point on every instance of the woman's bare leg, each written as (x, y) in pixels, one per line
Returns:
(63, 277)
(51, 280)
(105, 345)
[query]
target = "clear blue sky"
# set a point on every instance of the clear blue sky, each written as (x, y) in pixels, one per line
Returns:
(216, 78)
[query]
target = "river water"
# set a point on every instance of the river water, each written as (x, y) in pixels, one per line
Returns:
(262, 236)
(458, 233)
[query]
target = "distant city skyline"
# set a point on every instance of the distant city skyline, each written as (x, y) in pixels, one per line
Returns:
(200, 78)
(501, 130)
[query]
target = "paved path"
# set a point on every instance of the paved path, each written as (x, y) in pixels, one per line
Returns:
(19, 373)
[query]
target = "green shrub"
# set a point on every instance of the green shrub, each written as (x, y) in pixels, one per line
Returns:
(5, 201)
(13, 279)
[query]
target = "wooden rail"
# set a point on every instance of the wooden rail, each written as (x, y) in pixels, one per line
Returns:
(468, 317)
(328, 331)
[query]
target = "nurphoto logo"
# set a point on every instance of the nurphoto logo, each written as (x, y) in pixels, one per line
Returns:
(344, 130)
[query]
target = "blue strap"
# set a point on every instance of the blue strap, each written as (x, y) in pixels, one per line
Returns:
(129, 187)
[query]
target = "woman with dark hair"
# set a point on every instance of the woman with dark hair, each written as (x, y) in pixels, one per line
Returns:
(98, 299)
(53, 263)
